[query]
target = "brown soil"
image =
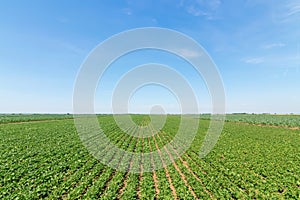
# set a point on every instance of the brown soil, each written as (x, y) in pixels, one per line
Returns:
(182, 176)
(166, 170)
(191, 171)
(155, 179)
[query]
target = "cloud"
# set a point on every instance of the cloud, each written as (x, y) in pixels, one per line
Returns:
(256, 60)
(282, 60)
(273, 45)
(287, 11)
(195, 11)
(293, 8)
(205, 8)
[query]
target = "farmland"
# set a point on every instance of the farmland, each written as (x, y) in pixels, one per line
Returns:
(291, 121)
(15, 118)
(45, 158)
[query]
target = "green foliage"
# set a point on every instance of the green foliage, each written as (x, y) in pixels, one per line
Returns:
(262, 119)
(14, 118)
(46, 159)
(141, 120)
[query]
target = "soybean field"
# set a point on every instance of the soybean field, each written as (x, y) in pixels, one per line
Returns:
(42, 157)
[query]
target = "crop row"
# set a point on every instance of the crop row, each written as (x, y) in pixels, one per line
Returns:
(48, 160)
(262, 119)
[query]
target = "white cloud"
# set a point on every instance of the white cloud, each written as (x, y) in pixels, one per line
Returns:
(214, 4)
(289, 60)
(195, 11)
(256, 60)
(287, 11)
(205, 8)
(273, 45)
(293, 8)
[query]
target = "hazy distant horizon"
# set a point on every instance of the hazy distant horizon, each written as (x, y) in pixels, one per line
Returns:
(45, 113)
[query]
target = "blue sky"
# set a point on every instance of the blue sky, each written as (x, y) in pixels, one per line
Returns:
(255, 45)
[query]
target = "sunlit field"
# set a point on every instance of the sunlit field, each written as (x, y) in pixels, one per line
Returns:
(42, 157)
